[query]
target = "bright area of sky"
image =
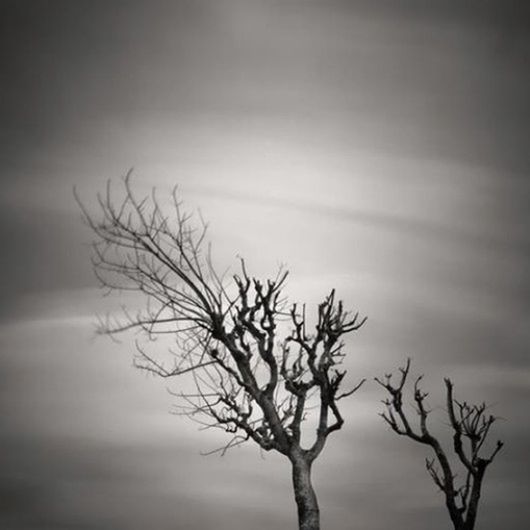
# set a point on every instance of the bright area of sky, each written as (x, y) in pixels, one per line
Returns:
(378, 150)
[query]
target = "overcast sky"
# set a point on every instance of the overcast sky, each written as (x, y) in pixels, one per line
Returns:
(378, 147)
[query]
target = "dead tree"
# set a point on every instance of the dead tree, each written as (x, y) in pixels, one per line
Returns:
(470, 425)
(255, 364)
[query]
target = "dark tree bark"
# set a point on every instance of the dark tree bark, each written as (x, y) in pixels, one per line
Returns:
(306, 499)
(470, 426)
(257, 366)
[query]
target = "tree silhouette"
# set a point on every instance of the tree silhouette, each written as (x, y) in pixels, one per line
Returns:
(470, 425)
(256, 363)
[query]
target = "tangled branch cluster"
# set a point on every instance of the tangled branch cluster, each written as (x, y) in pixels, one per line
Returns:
(249, 379)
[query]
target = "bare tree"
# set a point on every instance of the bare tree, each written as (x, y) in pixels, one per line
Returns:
(256, 364)
(470, 425)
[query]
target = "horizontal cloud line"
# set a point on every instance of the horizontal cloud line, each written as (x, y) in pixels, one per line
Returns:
(388, 222)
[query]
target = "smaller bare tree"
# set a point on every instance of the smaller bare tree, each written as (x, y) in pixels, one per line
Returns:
(470, 425)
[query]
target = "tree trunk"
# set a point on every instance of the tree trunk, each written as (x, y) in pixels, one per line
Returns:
(306, 500)
(475, 496)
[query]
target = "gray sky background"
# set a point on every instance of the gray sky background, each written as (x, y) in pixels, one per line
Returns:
(377, 147)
